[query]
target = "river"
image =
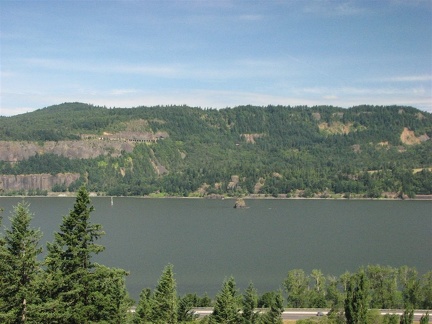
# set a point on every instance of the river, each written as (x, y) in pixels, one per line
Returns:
(208, 240)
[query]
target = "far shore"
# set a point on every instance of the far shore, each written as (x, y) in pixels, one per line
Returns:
(222, 197)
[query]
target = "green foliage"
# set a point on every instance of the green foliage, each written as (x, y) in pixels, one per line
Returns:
(273, 315)
(226, 308)
(164, 301)
(390, 319)
(314, 151)
(357, 299)
(19, 268)
(425, 318)
(76, 290)
(249, 303)
(296, 287)
(407, 317)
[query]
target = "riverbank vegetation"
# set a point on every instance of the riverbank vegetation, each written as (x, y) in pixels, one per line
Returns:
(274, 151)
(67, 287)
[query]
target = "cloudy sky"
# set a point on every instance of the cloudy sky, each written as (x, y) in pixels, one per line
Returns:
(215, 53)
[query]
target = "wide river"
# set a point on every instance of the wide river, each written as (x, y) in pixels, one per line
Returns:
(208, 240)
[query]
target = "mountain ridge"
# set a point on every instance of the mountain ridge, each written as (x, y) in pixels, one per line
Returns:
(179, 150)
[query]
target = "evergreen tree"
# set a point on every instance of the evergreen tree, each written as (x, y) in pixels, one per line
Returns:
(144, 307)
(250, 302)
(19, 268)
(164, 302)
(73, 282)
(225, 309)
(274, 315)
(108, 295)
(184, 308)
(357, 299)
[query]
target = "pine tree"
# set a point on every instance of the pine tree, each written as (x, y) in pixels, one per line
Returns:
(250, 302)
(225, 309)
(165, 298)
(19, 268)
(274, 315)
(76, 289)
(144, 308)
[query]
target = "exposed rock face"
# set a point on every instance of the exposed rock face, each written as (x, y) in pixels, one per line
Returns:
(250, 138)
(17, 151)
(408, 137)
(36, 181)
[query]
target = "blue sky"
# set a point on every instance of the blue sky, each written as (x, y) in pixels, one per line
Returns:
(215, 54)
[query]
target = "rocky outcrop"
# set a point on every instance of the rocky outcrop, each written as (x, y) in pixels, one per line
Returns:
(409, 138)
(240, 203)
(36, 181)
(18, 151)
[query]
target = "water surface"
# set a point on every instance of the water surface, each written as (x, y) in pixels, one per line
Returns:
(208, 240)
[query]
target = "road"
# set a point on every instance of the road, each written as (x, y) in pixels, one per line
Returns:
(297, 314)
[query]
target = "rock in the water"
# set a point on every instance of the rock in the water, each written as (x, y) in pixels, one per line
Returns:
(240, 203)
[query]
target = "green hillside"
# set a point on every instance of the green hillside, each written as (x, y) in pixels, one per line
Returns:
(276, 150)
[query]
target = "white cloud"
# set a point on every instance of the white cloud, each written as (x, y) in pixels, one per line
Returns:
(251, 17)
(407, 78)
(334, 8)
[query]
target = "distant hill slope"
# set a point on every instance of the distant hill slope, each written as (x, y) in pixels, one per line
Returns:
(180, 150)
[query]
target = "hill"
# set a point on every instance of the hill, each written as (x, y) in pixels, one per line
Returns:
(369, 151)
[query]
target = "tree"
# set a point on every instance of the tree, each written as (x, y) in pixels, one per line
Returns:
(296, 286)
(226, 309)
(383, 284)
(164, 301)
(410, 286)
(250, 302)
(108, 294)
(317, 294)
(273, 316)
(425, 318)
(407, 316)
(357, 299)
(184, 308)
(427, 290)
(19, 267)
(72, 286)
(144, 307)
(333, 295)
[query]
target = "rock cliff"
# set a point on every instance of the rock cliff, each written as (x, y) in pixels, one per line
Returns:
(18, 151)
(36, 181)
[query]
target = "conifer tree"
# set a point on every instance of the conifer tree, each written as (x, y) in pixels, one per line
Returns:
(76, 289)
(144, 308)
(250, 302)
(165, 298)
(19, 268)
(225, 309)
(273, 316)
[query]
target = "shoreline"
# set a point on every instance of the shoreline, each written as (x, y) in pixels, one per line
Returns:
(221, 197)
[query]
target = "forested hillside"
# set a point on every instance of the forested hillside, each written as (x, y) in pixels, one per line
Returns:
(364, 151)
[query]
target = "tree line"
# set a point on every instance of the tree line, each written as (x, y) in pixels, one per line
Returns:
(67, 287)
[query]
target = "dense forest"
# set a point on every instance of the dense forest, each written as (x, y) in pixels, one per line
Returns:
(68, 287)
(279, 151)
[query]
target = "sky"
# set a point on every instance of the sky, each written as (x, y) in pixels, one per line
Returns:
(215, 53)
